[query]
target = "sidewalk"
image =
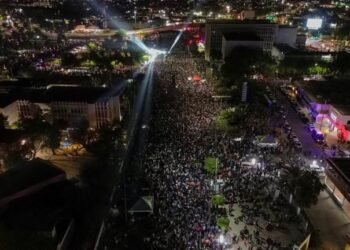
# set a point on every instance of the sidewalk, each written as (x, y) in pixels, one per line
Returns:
(331, 222)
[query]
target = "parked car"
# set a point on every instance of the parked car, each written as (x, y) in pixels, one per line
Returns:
(299, 147)
(310, 127)
(317, 136)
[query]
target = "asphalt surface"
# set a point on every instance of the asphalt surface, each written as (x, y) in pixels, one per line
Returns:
(299, 128)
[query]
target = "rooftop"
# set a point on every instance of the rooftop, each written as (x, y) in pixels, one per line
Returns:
(81, 94)
(61, 94)
(342, 166)
(285, 26)
(235, 21)
(333, 91)
(241, 36)
(30, 174)
(342, 109)
(41, 211)
(288, 50)
(6, 99)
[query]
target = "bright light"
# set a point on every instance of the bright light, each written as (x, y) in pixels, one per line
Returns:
(314, 23)
(23, 142)
(201, 47)
(253, 161)
(221, 239)
(175, 42)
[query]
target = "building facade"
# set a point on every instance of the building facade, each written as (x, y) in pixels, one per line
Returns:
(72, 104)
(234, 40)
(338, 183)
(329, 117)
(214, 30)
(286, 35)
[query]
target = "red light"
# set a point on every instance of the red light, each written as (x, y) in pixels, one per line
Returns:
(197, 78)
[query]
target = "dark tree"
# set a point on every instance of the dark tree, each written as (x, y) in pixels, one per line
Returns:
(304, 185)
(244, 62)
(3, 121)
(13, 159)
(341, 64)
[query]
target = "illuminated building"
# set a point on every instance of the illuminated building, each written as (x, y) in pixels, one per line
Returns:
(72, 104)
(328, 104)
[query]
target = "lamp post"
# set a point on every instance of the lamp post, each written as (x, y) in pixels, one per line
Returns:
(135, 13)
(221, 241)
(254, 161)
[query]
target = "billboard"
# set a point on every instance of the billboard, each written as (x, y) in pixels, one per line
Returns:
(314, 23)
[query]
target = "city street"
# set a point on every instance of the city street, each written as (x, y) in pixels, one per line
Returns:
(304, 136)
(327, 217)
(174, 125)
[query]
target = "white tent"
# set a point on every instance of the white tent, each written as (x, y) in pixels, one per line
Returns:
(267, 141)
(143, 205)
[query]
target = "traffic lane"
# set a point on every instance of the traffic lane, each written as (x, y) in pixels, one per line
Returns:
(298, 127)
(304, 136)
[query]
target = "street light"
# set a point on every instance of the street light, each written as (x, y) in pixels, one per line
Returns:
(253, 161)
(221, 239)
(135, 13)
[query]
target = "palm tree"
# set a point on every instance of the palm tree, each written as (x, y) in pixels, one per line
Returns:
(290, 178)
(304, 185)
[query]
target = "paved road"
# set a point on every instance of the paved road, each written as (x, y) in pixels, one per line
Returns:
(326, 216)
(298, 127)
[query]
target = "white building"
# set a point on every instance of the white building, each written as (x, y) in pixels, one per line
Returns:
(72, 104)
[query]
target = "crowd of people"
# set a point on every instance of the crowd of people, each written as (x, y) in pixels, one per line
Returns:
(182, 136)
(180, 140)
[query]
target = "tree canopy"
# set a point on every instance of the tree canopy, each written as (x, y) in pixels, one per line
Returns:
(211, 164)
(244, 61)
(12, 239)
(303, 184)
(341, 64)
(218, 199)
(343, 32)
(41, 133)
(223, 223)
(303, 66)
(229, 120)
